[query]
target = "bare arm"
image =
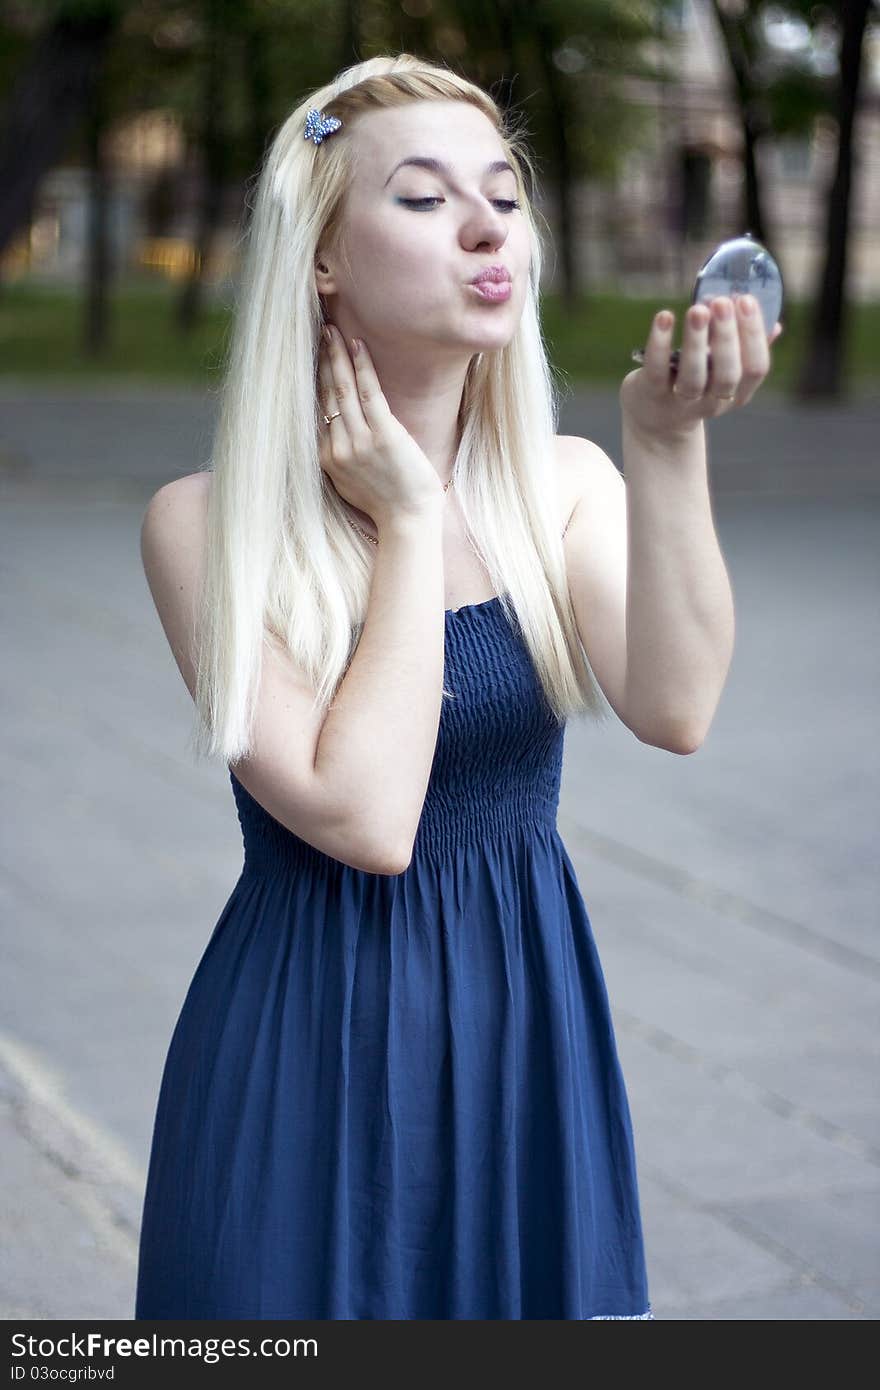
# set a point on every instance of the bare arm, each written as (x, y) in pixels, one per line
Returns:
(649, 590)
(379, 736)
(357, 794)
(680, 622)
(679, 605)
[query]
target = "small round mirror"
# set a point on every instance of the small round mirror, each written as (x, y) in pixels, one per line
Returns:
(742, 266)
(739, 266)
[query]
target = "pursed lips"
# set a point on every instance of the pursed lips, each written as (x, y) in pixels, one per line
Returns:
(492, 285)
(495, 275)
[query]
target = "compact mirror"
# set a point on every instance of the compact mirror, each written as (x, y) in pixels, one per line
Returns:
(739, 266)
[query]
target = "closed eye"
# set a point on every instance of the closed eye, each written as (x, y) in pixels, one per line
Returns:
(507, 203)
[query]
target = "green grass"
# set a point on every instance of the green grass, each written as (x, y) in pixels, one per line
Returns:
(41, 335)
(41, 331)
(595, 345)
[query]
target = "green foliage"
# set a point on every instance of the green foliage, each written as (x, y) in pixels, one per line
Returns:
(39, 338)
(40, 332)
(561, 65)
(794, 98)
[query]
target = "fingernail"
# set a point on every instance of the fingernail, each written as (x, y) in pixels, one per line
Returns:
(723, 309)
(747, 304)
(664, 319)
(355, 346)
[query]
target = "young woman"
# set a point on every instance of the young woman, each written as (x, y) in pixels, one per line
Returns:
(393, 1089)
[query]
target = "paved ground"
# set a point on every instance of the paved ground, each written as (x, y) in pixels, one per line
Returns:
(733, 893)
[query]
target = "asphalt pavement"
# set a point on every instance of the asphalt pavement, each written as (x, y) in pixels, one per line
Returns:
(732, 892)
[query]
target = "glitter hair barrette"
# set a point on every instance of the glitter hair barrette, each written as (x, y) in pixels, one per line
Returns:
(318, 125)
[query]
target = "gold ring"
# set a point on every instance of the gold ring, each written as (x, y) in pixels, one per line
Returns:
(328, 418)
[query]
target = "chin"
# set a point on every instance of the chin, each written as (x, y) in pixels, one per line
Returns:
(493, 342)
(469, 339)
(495, 334)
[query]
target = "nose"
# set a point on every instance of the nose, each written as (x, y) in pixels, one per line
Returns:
(485, 228)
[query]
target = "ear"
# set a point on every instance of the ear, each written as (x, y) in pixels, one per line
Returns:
(324, 277)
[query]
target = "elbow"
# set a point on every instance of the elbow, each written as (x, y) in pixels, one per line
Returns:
(374, 850)
(684, 739)
(684, 745)
(389, 861)
(375, 861)
(677, 738)
(402, 860)
(674, 732)
(391, 867)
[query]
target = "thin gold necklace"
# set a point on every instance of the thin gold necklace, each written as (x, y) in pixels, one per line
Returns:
(374, 540)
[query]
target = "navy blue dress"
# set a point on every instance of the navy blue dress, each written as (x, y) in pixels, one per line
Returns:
(400, 1096)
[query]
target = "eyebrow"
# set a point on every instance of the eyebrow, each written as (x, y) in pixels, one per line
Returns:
(438, 167)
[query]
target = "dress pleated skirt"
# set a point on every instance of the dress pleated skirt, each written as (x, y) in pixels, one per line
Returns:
(399, 1097)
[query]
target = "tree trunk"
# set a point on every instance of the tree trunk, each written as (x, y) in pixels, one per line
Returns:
(753, 203)
(214, 163)
(350, 41)
(97, 241)
(560, 115)
(45, 103)
(752, 118)
(822, 371)
(258, 85)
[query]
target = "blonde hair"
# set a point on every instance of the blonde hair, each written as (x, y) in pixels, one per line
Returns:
(282, 561)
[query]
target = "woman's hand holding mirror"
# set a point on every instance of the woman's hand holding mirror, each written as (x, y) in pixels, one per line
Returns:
(725, 353)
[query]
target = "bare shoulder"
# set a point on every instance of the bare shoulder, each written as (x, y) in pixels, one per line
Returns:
(172, 552)
(586, 471)
(177, 504)
(192, 487)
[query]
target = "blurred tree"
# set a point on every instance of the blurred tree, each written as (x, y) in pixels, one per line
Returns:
(50, 93)
(352, 29)
(740, 24)
(258, 80)
(250, 61)
(777, 90)
(96, 322)
(227, 71)
(783, 90)
(218, 18)
(571, 57)
(822, 371)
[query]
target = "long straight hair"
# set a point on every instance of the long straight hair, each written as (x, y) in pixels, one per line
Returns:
(283, 563)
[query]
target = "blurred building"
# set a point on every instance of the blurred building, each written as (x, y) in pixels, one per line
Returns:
(154, 189)
(681, 191)
(675, 197)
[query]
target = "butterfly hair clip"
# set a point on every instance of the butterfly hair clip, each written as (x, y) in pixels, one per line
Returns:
(318, 125)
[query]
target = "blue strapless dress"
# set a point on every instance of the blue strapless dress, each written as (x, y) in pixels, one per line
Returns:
(400, 1096)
